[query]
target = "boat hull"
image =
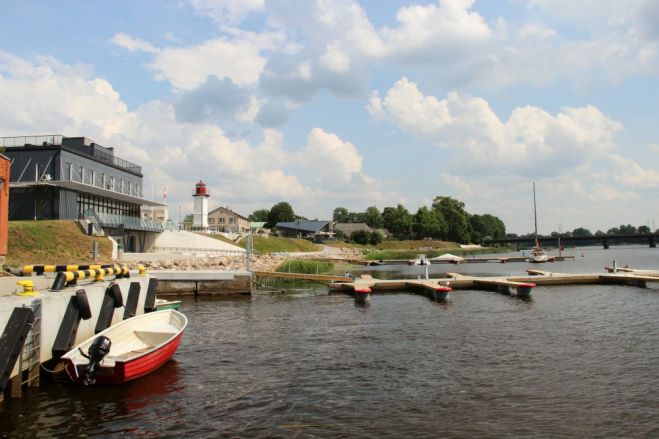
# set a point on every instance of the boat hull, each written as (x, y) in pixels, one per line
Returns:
(124, 371)
(171, 305)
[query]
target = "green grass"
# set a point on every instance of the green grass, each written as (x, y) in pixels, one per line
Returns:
(52, 242)
(275, 245)
(224, 239)
(305, 267)
(392, 244)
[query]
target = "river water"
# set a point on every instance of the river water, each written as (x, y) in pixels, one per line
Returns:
(575, 361)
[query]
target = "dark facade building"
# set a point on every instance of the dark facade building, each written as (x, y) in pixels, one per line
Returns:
(58, 177)
(308, 229)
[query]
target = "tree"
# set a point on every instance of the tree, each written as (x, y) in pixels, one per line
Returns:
(280, 212)
(340, 215)
(644, 229)
(428, 224)
(581, 232)
(457, 219)
(375, 238)
(259, 216)
(398, 220)
(627, 230)
(373, 217)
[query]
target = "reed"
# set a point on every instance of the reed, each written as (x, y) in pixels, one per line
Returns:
(305, 267)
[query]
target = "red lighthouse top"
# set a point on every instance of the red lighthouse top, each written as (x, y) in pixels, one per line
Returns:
(200, 189)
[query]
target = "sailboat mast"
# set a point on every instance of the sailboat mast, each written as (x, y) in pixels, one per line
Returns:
(535, 214)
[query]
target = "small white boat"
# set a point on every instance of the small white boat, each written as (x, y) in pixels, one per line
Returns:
(167, 304)
(538, 255)
(420, 260)
(127, 350)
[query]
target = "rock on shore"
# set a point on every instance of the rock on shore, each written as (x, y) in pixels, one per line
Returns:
(265, 262)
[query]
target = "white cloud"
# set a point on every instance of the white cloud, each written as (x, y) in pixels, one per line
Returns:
(227, 11)
(536, 31)
(531, 139)
(440, 27)
(55, 98)
(335, 59)
(62, 99)
(632, 175)
(457, 183)
(188, 67)
(133, 44)
(237, 56)
(331, 161)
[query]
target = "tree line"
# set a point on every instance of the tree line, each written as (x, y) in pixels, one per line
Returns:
(582, 232)
(446, 219)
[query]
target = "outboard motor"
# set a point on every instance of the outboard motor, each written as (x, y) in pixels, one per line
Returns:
(97, 351)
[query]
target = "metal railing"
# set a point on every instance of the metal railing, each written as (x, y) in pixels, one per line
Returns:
(45, 140)
(128, 222)
(198, 250)
(94, 149)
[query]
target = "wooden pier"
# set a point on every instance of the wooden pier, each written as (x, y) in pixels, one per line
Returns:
(302, 276)
(521, 285)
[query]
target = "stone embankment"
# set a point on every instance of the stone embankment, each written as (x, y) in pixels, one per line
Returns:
(265, 262)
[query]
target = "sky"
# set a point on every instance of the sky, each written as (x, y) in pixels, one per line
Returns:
(328, 103)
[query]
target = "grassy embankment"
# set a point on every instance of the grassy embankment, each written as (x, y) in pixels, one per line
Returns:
(274, 245)
(53, 242)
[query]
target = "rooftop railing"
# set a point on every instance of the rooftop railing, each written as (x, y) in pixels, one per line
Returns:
(92, 149)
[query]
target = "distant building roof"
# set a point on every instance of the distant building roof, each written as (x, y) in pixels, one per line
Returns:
(349, 228)
(227, 210)
(303, 225)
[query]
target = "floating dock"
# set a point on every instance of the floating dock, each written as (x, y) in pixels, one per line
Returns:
(462, 260)
(521, 286)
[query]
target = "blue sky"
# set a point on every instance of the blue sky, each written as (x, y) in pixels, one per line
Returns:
(355, 103)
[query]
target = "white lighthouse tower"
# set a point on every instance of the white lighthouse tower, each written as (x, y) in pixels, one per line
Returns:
(200, 212)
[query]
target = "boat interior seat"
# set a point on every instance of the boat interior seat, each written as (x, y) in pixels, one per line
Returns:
(153, 338)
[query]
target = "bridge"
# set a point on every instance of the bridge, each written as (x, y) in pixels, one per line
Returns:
(604, 240)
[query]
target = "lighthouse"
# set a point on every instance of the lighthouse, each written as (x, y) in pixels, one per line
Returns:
(200, 212)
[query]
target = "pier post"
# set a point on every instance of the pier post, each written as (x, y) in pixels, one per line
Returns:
(442, 293)
(362, 295)
(525, 291)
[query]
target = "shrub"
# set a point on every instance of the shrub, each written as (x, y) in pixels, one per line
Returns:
(360, 237)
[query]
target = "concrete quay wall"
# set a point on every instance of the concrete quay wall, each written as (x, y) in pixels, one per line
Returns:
(54, 304)
(202, 282)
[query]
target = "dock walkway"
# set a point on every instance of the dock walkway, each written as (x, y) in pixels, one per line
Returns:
(523, 285)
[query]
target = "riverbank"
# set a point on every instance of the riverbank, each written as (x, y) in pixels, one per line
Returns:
(263, 262)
